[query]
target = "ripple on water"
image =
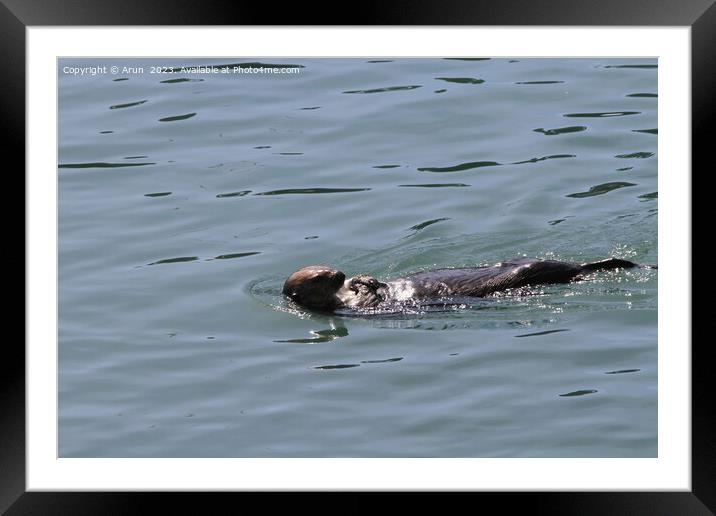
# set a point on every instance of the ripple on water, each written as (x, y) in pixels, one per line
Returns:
(558, 221)
(649, 196)
(102, 165)
(231, 256)
(181, 79)
(544, 158)
(639, 66)
(480, 164)
(540, 82)
(427, 223)
(539, 333)
(396, 359)
(383, 90)
(157, 194)
(347, 366)
(177, 117)
(601, 189)
(623, 371)
(561, 130)
(638, 155)
(233, 194)
(602, 114)
(291, 191)
(461, 80)
(178, 259)
(437, 185)
(579, 393)
(460, 167)
(320, 336)
(128, 104)
(182, 259)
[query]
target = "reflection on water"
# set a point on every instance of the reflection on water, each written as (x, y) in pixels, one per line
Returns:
(128, 104)
(640, 155)
(601, 115)
(601, 189)
(383, 90)
(460, 167)
(321, 336)
(422, 225)
(102, 165)
(623, 371)
(460, 80)
(177, 117)
(157, 194)
(580, 392)
(312, 191)
(437, 185)
(561, 130)
(539, 82)
(539, 333)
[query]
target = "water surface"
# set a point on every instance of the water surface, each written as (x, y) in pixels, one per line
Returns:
(185, 199)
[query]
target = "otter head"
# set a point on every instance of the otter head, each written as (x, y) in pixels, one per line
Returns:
(315, 287)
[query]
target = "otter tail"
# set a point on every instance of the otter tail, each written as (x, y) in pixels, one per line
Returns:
(613, 263)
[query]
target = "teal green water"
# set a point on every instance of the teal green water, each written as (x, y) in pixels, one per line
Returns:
(185, 199)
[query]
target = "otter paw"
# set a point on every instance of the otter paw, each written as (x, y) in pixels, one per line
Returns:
(363, 283)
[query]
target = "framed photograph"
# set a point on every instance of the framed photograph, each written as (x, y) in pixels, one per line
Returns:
(419, 258)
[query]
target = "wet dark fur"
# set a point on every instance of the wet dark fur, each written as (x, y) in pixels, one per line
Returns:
(325, 289)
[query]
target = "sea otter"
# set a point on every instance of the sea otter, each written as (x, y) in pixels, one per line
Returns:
(324, 289)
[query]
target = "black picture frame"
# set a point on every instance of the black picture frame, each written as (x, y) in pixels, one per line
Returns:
(700, 15)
